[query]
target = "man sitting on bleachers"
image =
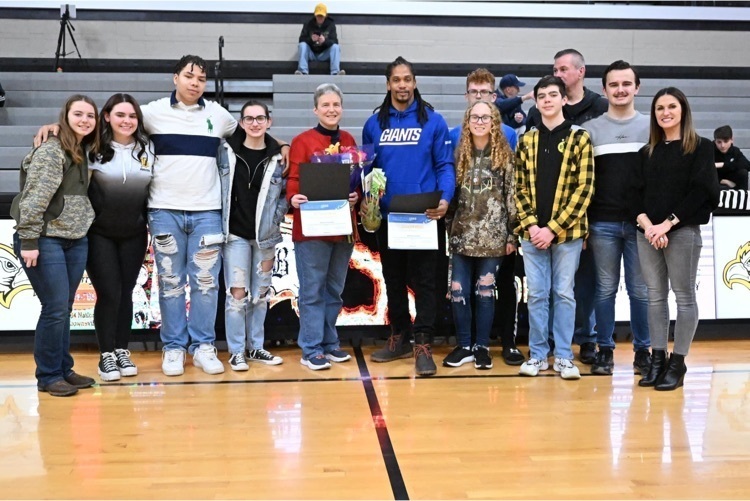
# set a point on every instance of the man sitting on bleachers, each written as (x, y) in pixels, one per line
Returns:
(731, 164)
(318, 42)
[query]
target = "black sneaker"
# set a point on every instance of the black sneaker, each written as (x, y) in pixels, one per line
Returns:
(604, 363)
(513, 356)
(397, 346)
(124, 364)
(458, 357)
(264, 357)
(482, 358)
(423, 362)
(108, 370)
(587, 355)
(237, 362)
(642, 362)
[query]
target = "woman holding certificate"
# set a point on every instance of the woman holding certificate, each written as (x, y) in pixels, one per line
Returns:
(322, 262)
(480, 229)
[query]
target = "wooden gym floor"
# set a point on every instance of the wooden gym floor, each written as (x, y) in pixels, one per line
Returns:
(363, 430)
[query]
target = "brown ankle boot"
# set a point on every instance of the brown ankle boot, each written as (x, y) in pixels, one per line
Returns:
(423, 362)
(397, 346)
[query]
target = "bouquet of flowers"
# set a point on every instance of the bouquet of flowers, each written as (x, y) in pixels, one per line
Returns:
(359, 159)
(373, 187)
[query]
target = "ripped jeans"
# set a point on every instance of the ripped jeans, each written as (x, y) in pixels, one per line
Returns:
(473, 276)
(243, 270)
(187, 250)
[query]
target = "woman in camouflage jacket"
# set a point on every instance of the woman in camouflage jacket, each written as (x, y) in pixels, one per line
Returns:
(480, 229)
(53, 214)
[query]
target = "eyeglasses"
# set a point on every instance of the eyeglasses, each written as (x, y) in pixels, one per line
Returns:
(248, 120)
(476, 119)
(475, 93)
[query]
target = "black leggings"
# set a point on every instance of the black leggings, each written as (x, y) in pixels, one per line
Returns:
(506, 304)
(113, 266)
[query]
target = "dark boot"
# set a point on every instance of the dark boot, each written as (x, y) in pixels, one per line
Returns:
(675, 374)
(397, 346)
(79, 381)
(658, 367)
(423, 362)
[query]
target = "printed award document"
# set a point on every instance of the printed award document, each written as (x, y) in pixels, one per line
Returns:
(412, 232)
(326, 218)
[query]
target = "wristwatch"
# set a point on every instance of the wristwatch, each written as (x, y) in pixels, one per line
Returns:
(672, 219)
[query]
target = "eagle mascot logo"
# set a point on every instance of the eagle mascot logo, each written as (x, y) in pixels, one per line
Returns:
(13, 280)
(737, 271)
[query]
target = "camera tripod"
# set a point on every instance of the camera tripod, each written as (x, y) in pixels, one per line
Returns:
(65, 24)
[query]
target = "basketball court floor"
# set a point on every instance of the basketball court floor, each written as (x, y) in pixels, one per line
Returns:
(363, 430)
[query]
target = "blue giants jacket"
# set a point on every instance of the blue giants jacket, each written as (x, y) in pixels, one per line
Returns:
(415, 159)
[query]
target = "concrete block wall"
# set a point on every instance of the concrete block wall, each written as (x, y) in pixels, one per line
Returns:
(32, 38)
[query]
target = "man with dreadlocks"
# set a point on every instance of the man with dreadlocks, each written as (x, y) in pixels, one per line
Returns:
(414, 150)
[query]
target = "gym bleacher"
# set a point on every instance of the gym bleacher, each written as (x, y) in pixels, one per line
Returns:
(34, 99)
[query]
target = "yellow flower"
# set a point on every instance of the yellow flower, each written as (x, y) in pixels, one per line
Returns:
(332, 149)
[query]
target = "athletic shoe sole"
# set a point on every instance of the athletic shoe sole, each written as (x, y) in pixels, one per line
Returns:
(264, 362)
(464, 360)
(174, 372)
(132, 371)
(338, 359)
(240, 368)
(217, 370)
(109, 376)
(314, 367)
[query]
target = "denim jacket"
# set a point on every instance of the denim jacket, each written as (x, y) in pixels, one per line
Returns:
(272, 204)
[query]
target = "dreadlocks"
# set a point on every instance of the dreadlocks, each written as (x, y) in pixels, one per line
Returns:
(384, 109)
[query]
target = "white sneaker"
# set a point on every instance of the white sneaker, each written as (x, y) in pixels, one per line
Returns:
(205, 358)
(173, 362)
(566, 369)
(532, 366)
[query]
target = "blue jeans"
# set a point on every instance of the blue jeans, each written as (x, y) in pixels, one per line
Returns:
(611, 242)
(187, 250)
(551, 271)
(55, 279)
(244, 318)
(473, 275)
(321, 269)
(675, 266)
(332, 53)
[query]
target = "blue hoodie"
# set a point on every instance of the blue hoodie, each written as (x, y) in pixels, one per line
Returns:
(415, 159)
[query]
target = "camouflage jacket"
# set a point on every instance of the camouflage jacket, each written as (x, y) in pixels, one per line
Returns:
(53, 199)
(483, 212)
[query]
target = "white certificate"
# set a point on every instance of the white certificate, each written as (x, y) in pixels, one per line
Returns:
(325, 218)
(412, 231)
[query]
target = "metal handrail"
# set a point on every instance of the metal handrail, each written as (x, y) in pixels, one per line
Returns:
(219, 76)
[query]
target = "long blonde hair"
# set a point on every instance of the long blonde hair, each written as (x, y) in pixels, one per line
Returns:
(500, 153)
